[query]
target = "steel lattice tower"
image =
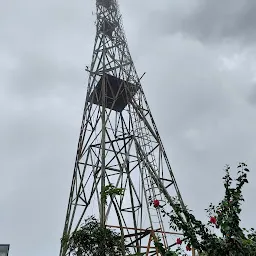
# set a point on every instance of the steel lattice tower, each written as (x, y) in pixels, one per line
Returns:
(119, 144)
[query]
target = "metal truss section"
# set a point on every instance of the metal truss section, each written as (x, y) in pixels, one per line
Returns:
(119, 144)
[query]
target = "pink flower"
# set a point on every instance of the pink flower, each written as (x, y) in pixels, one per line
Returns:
(188, 248)
(178, 241)
(213, 220)
(156, 203)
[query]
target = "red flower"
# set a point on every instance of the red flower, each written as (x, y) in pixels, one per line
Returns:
(156, 203)
(213, 220)
(188, 248)
(178, 241)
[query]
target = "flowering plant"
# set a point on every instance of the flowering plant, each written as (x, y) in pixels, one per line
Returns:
(224, 217)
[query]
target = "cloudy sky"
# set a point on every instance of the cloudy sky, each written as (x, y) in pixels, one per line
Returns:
(199, 59)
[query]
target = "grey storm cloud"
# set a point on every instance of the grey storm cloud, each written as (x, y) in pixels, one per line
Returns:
(208, 21)
(252, 95)
(201, 92)
(232, 20)
(40, 75)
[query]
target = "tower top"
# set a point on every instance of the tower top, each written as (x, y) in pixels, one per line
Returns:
(108, 16)
(106, 3)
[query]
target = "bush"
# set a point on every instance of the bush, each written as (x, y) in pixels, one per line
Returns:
(234, 240)
(93, 240)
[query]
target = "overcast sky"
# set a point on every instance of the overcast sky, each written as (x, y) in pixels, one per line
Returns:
(199, 56)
